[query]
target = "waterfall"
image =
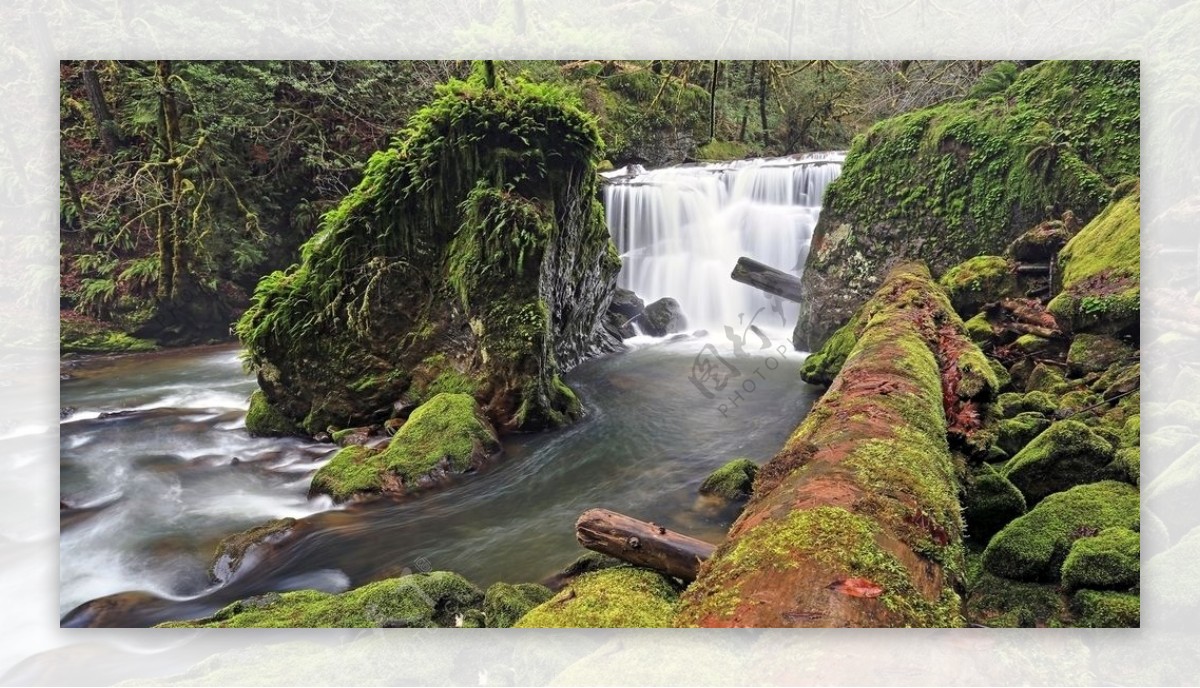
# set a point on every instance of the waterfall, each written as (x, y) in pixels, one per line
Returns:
(680, 230)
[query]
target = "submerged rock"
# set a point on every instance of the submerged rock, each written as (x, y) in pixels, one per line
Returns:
(663, 317)
(473, 249)
(234, 550)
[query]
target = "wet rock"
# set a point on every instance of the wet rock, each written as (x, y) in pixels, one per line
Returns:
(618, 597)
(663, 317)
(978, 281)
(65, 411)
(732, 481)
(1068, 453)
(352, 436)
(626, 303)
(1039, 244)
(235, 550)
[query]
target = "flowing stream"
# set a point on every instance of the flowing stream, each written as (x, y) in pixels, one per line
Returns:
(156, 466)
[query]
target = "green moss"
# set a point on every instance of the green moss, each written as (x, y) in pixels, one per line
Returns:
(421, 600)
(264, 420)
(1131, 432)
(1101, 271)
(820, 367)
(619, 597)
(1090, 353)
(731, 481)
(1108, 560)
(446, 433)
(505, 604)
(990, 503)
(1014, 433)
(1097, 609)
(353, 470)
(1082, 402)
(724, 150)
(92, 338)
(979, 328)
(978, 281)
(1033, 547)
(1002, 603)
(1066, 454)
(1049, 379)
(1031, 343)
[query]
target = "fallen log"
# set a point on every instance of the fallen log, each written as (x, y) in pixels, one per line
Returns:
(641, 543)
(856, 521)
(755, 274)
(1025, 328)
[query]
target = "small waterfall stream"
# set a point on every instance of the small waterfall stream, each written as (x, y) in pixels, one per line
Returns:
(680, 230)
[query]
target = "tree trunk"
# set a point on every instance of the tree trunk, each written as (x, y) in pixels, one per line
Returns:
(73, 194)
(106, 127)
(856, 521)
(712, 101)
(489, 74)
(172, 252)
(751, 272)
(762, 104)
(642, 544)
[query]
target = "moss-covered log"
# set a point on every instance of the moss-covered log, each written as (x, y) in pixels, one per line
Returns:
(856, 522)
(472, 258)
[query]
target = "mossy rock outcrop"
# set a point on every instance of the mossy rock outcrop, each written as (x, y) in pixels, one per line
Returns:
(1066, 454)
(1092, 353)
(1034, 546)
(617, 597)
(1010, 404)
(504, 604)
(1012, 434)
(967, 177)
(1040, 243)
(732, 481)
(1101, 272)
(474, 248)
(444, 437)
(264, 420)
(1108, 560)
(420, 600)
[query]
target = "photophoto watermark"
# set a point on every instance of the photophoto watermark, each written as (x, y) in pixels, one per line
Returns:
(731, 379)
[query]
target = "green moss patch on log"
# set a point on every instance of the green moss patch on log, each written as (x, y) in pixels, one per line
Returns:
(865, 489)
(1033, 547)
(420, 600)
(617, 597)
(476, 237)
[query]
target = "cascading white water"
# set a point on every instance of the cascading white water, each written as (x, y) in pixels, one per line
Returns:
(680, 231)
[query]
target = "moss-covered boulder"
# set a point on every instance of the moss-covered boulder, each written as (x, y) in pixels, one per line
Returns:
(1131, 432)
(420, 600)
(978, 281)
(1034, 546)
(1010, 404)
(999, 602)
(1105, 609)
(1039, 244)
(444, 437)
(264, 420)
(504, 604)
(1012, 434)
(966, 177)
(731, 481)
(1092, 353)
(1108, 560)
(1049, 379)
(1127, 465)
(618, 597)
(1101, 271)
(990, 503)
(1066, 454)
(477, 238)
(979, 328)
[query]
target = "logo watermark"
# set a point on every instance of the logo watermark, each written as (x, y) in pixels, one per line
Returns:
(718, 377)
